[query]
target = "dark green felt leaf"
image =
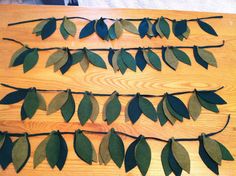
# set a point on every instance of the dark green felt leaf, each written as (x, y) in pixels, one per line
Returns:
(211, 97)
(164, 159)
(85, 109)
(112, 109)
(40, 152)
(208, 106)
(20, 58)
(177, 170)
(181, 56)
(147, 108)
(68, 109)
(30, 60)
(104, 149)
(53, 149)
(160, 113)
(23, 113)
(116, 148)
(20, 153)
(77, 57)
(164, 27)
(172, 112)
(31, 103)
(6, 152)
(198, 59)
(128, 60)
(143, 155)
(120, 63)
(49, 28)
(207, 28)
(16, 55)
(63, 153)
(95, 59)
(14, 97)
(154, 60)
(226, 155)
(83, 147)
(69, 26)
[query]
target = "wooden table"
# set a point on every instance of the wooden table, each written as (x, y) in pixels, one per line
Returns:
(106, 81)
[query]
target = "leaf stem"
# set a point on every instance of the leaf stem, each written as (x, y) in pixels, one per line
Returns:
(115, 49)
(123, 134)
(102, 95)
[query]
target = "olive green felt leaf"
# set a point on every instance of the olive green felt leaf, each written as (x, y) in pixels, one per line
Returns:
(169, 116)
(165, 159)
(116, 148)
(68, 108)
(194, 106)
(164, 27)
(118, 29)
(143, 155)
(55, 57)
(38, 28)
(16, 55)
(127, 118)
(61, 62)
(85, 109)
(31, 103)
(128, 26)
(181, 155)
(40, 152)
(95, 108)
(77, 57)
(2, 139)
(84, 63)
(57, 102)
(95, 59)
(83, 147)
(94, 157)
(69, 26)
(63, 31)
(112, 108)
(170, 58)
(226, 155)
(20, 153)
(105, 105)
(104, 150)
(30, 60)
(213, 149)
(128, 60)
(149, 32)
(207, 56)
(181, 56)
(114, 60)
(153, 60)
(42, 102)
(53, 149)
(147, 108)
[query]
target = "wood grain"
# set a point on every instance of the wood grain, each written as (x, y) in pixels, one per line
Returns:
(105, 81)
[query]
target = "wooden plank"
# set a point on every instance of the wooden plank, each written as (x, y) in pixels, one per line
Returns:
(105, 81)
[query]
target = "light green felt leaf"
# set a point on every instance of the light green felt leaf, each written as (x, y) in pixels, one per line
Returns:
(30, 60)
(95, 109)
(118, 29)
(104, 151)
(85, 109)
(147, 108)
(61, 62)
(31, 103)
(42, 102)
(40, 152)
(149, 32)
(95, 59)
(207, 56)
(69, 26)
(55, 57)
(115, 59)
(170, 58)
(20, 153)
(194, 106)
(128, 26)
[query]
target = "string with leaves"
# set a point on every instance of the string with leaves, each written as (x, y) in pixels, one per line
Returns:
(150, 27)
(174, 156)
(119, 59)
(169, 109)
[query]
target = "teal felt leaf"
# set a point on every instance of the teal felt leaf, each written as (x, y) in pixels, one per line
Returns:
(154, 60)
(68, 109)
(49, 28)
(226, 155)
(143, 155)
(111, 32)
(85, 109)
(20, 153)
(31, 103)
(147, 108)
(164, 159)
(128, 60)
(77, 57)
(116, 148)
(207, 28)
(53, 149)
(30, 60)
(14, 97)
(181, 56)
(95, 59)
(164, 27)
(83, 147)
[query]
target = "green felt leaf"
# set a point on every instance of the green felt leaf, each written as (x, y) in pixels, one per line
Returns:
(114, 60)
(2, 139)
(226, 155)
(63, 31)
(103, 149)
(63, 152)
(111, 32)
(128, 26)
(30, 60)
(68, 108)
(207, 56)
(160, 113)
(53, 149)
(170, 58)
(42, 102)
(208, 106)
(143, 155)
(55, 57)
(20, 153)
(118, 29)
(128, 60)
(77, 57)
(95, 109)
(83, 147)
(39, 26)
(112, 108)
(16, 55)
(57, 102)
(154, 60)
(170, 117)
(181, 155)
(147, 108)
(69, 26)
(85, 109)
(40, 152)
(116, 148)
(121, 65)
(213, 149)
(31, 103)
(61, 62)
(158, 29)
(181, 56)
(165, 159)
(84, 63)
(164, 27)
(194, 106)
(95, 59)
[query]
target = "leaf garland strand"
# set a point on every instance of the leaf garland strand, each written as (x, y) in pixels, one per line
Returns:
(170, 108)
(150, 27)
(53, 148)
(119, 59)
